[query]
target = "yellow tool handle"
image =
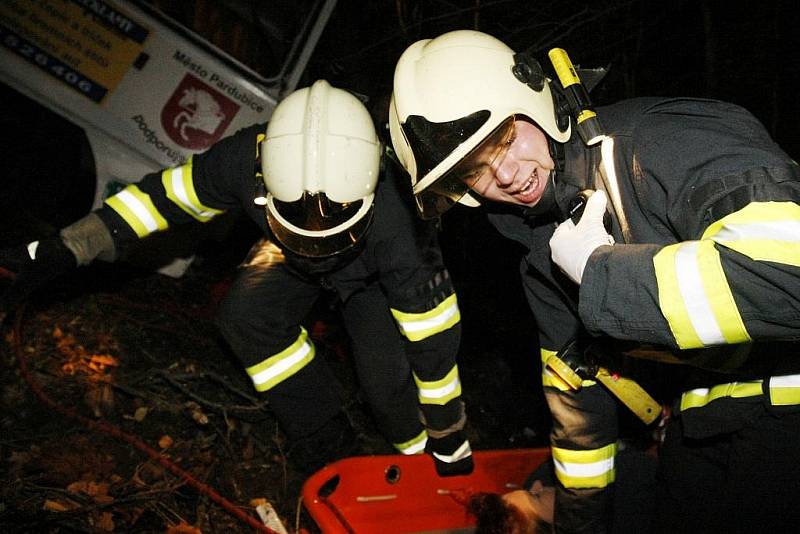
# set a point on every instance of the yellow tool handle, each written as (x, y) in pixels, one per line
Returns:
(564, 372)
(631, 394)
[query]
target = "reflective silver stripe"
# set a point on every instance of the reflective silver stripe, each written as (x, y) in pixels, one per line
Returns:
(694, 296)
(785, 381)
(784, 390)
(276, 368)
(432, 395)
(139, 209)
(418, 326)
(593, 468)
(463, 451)
(585, 470)
(763, 231)
(439, 391)
(609, 175)
(772, 231)
(180, 189)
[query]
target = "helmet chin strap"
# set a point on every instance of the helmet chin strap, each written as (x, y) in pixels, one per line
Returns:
(547, 203)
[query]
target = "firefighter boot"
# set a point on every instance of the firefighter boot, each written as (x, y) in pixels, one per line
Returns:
(452, 454)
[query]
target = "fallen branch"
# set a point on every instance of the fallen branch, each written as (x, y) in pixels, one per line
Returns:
(217, 407)
(107, 428)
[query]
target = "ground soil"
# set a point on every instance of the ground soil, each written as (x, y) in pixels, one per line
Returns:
(136, 351)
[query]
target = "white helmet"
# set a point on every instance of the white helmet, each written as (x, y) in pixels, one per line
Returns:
(320, 160)
(454, 102)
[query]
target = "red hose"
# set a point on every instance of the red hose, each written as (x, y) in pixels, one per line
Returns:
(108, 428)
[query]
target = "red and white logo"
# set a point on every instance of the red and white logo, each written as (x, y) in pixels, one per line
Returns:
(196, 114)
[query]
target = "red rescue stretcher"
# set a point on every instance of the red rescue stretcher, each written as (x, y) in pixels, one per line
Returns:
(396, 494)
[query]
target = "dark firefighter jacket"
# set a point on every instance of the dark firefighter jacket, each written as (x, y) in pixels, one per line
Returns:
(711, 273)
(400, 253)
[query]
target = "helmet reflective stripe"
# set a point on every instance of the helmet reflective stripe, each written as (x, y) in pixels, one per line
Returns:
(180, 190)
(418, 326)
(697, 398)
(439, 391)
(279, 367)
(592, 468)
(784, 390)
(550, 379)
(136, 209)
(695, 297)
(415, 445)
(463, 451)
(766, 231)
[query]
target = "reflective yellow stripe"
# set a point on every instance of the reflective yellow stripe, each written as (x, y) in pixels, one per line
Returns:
(279, 367)
(699, 397)
(439, 391)
(550, 379)
(784, 390)
(670, 300)
(259, 139)
(179, 186)
(585, 469)
(418, 326)
(695, 298)
(720, 297)
(136, 209)
(415, 445)
(765, 231)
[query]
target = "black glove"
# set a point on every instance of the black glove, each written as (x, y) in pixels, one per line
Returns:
(33, 266)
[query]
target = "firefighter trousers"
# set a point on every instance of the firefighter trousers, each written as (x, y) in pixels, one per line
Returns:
(743, 481)
(263, 313)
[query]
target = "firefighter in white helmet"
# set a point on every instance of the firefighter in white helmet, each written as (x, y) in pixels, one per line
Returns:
(700, 259)
(333, 223)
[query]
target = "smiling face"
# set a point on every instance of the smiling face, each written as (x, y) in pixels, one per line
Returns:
(519, 175)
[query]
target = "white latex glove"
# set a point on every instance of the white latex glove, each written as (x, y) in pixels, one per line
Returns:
(571, 244)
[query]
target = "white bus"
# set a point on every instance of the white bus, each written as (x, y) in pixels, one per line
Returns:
(139, 89)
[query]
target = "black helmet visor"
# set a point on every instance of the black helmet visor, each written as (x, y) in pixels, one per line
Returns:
(315, 226)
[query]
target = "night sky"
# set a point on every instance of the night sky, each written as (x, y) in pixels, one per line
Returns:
(744, 52)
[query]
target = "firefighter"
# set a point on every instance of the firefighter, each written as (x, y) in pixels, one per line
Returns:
(529, 509)
(332, 221)
(701, 261)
